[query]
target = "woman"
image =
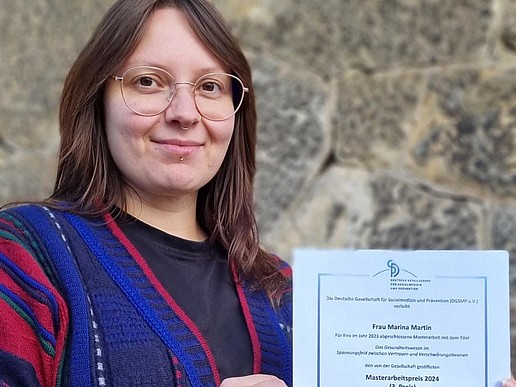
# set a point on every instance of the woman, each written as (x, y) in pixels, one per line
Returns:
(144, 268)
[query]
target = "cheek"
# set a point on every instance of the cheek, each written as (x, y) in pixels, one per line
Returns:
(120, 125)
(113, 134)
(120, 134)
(223, 132)
(222, 144)
(112, 113)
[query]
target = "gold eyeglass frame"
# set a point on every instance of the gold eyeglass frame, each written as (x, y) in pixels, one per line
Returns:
(120, 79)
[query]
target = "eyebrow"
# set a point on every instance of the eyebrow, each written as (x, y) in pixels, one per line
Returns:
(197, 73)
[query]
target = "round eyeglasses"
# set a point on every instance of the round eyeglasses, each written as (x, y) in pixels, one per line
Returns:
(148, 91)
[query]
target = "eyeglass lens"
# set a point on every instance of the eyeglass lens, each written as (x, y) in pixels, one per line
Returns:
(149, 90)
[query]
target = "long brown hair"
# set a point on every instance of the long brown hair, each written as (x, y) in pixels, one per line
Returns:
(90, 183)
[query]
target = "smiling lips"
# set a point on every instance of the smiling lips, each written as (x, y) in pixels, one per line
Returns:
(178, 147)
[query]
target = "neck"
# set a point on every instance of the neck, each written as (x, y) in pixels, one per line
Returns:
(175, 216)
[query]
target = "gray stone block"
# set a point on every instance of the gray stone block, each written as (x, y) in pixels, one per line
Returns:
(413, 216)
(502, 234)
(353, 209)
(335, 211)
(28, 176)
(333, 35)
(470, 128)
(508, 27)
(374, 117)
(293, 136)
(39, 40)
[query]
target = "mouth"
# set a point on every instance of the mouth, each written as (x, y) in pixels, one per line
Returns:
(177, 147)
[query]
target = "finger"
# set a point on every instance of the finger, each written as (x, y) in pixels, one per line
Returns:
(271, 383)
(257, 380)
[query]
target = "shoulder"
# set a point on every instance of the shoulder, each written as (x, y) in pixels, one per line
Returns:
(30, 302)
(283, 300)
(16, 225)
(32, 225)
(23, 233)
(285, 268)
(285, 295)
(24, 215)
(12, 210)
(41, 220)
(35, 243)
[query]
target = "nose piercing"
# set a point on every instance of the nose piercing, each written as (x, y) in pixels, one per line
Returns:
(188, 127)
(181, 158)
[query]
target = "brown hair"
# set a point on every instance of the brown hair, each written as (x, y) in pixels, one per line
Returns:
(88, 180)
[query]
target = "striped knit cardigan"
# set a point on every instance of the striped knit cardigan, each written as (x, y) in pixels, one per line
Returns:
(80, 307)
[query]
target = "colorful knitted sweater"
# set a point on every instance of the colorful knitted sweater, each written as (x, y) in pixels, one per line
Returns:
(80, 307)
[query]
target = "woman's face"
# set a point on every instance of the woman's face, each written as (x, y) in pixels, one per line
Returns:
(176, 152)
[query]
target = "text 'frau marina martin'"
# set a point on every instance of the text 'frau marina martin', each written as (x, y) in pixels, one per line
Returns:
(402, 327)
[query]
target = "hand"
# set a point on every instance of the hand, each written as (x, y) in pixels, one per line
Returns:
(509, 382)
(258, 380)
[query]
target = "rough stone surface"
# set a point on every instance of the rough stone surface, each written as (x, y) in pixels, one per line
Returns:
(293, 138)
(380, 211)
(331, 213)
(413, 216)
(502, 235)
(333, 35)
(374, 117)
(472, 129)
(39, 41)
(508, 25)
(36, 177)
(382, 123)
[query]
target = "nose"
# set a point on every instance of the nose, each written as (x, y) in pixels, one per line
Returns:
(182, 108)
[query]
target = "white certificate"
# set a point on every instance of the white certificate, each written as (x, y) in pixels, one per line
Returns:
(401, 318)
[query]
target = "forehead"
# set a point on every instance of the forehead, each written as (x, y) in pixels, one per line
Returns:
(170, 42)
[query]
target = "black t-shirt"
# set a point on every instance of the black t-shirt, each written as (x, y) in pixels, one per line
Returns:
(196, 275)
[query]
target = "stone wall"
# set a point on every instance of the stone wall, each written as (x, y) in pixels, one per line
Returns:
(383, 123)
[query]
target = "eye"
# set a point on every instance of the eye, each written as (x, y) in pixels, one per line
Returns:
(211, 86)
(145, 81)
(214, 86)
(148, 81)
